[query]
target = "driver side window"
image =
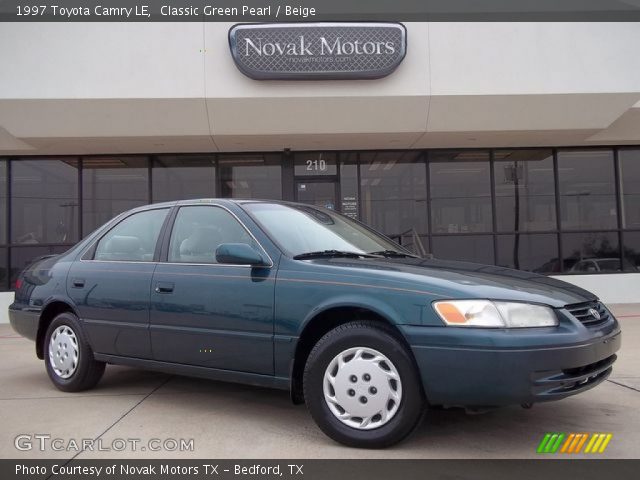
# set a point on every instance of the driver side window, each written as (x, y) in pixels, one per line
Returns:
(199, 230)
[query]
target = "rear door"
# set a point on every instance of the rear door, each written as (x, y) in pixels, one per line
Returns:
(111, 285)
(209, 314)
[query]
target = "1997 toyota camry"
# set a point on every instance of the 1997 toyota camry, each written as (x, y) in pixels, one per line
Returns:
(301, 298)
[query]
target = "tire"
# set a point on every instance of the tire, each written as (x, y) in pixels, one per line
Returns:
(77, 370)
(340, 372)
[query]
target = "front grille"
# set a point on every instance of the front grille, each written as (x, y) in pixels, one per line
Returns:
(586, 313)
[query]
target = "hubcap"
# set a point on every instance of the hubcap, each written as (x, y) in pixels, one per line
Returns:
(362, 388)
(63, 351)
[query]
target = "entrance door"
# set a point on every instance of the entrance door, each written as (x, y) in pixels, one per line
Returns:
(317, 193)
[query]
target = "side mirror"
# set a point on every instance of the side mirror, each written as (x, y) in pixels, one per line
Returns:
(238, 254)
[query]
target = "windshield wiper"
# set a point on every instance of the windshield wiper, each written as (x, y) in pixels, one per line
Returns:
(333, 253)
(393, 253)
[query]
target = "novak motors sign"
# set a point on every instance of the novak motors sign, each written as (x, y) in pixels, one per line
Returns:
(308, 51)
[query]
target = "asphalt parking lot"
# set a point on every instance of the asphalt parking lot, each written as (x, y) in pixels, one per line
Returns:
(236, 421)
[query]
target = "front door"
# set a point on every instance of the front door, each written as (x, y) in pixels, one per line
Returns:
(209, 314)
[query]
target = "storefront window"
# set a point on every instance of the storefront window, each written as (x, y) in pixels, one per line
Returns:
(460, 192)
(44, 203)
(469, 248)
(251, 176)
(533, 252)
(630, 187)
(591, 252)
(525, 190)
(394, 195)
(3, 202)
(112, 185)
(4, 270)
(631, 261)
(587, 189)
(349, 200)
(183, 177)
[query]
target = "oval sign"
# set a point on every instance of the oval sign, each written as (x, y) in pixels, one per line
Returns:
(312, 51)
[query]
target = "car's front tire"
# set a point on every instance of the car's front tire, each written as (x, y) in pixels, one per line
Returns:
(362, 387)
(68, 357)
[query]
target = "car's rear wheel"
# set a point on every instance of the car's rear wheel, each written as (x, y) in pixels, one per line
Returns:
(361, 386)
(68, 357)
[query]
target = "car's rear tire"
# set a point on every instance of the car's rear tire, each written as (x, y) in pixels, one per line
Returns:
(362, 387)
(68, 357)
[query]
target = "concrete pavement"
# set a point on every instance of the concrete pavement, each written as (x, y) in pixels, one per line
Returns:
(236, 421)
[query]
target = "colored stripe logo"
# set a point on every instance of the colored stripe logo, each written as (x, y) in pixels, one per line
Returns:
(556, 442)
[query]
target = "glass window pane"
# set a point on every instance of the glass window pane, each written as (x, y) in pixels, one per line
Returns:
(349, 205)
(631, 251)
(199, 231)
(315, 163)
(393, 193)
(21, 257)
(133, 239)
(535, 253)
(3, 201)
(525, 190)
(112, 185)
(44, 205)
(469, 248)
(591, 252)
(251, 176)
(183, 177)
(4, 270)
(630, 188)
(460, 192)
(587, 189)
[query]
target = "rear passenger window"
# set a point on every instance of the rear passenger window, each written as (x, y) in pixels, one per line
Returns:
(133, 239)
(198, 231)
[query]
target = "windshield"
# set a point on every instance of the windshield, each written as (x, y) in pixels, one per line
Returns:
(301, 229)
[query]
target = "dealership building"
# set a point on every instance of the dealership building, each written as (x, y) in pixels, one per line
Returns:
(514, 144)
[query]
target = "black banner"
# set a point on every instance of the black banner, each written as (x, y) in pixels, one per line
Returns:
(318, 469)
(317, 10)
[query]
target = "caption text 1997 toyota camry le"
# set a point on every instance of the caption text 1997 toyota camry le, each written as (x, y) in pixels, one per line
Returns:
(297, 297)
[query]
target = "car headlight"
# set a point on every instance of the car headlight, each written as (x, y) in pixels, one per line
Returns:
(492, 314)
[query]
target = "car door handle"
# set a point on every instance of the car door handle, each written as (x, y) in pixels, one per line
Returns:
(164, 287)
(78, 282)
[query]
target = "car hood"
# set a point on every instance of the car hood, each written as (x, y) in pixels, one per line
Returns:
(450, 279)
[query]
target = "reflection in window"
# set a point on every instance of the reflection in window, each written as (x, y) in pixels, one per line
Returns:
(460, 192)
(469, 248)
(631, 252)
(183, 177)
(110, 186)
(587, 189)
(44, 204)
(591, 252)
(4, 270)
(393, 196)
(630, 188)
(533, 252)
(21, 257)
(525, 190)
(251, 176)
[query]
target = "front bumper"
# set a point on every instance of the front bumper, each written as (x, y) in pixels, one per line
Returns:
(496, 375)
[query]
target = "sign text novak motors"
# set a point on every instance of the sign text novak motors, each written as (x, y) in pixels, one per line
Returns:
(308, 51)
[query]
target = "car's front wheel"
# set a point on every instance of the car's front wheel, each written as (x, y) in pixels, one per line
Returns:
(68, 357)
(361, 386)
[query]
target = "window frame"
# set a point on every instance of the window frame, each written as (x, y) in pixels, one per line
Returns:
(168, 232)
